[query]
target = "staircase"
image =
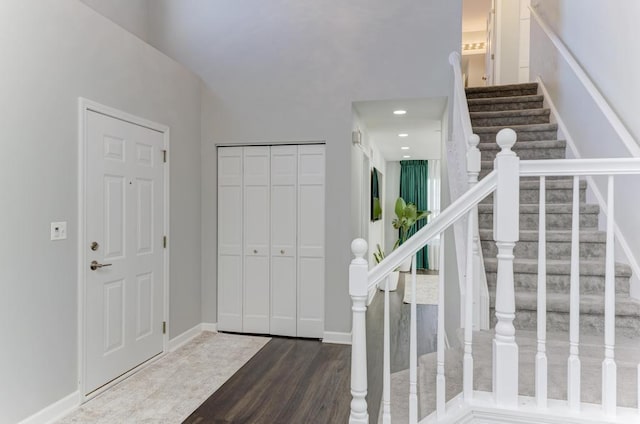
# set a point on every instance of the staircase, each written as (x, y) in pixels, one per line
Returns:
(520, 107)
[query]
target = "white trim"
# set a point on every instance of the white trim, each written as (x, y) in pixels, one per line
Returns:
(55, 411)
(372, 294)
(84, 106)
(619, 235)
(210, 326)
(184, 338)
(615, 122)
(336, 337)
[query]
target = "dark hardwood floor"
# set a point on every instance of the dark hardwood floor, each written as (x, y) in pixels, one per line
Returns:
(399, 321)
(307, 381)
(287, 381)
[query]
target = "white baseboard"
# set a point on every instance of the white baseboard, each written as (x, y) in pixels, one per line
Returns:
(336, 338)
(210, 326)
(55, 411)
(184, 338)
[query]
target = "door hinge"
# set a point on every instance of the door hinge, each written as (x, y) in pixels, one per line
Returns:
(164, 241)
(164, 156)
(164, 327)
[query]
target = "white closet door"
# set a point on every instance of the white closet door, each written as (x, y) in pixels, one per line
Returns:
(284, 208)
(256, 239)
(230, 238)
(311, 224)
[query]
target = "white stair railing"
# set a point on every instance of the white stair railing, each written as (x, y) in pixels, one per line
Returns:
(504, 183)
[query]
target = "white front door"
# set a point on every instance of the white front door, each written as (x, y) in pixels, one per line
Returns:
(124, 240)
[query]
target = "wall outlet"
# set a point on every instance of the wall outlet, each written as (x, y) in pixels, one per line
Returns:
(59, 230)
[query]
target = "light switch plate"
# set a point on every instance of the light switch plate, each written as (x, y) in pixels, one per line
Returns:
(59, 230)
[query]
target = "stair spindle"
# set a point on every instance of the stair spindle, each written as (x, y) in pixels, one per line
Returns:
(608, 364)
(386, 376)
(413, 350)
(358, 290)
(541, 356)
(467, 365)
(440, 377)
(573, 363)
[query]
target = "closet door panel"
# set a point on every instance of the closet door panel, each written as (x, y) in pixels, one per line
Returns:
(310, 235)
(283, 239)
(230, 239)
(256, 240)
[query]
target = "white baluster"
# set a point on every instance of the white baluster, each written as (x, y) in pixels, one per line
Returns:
(441, 385)
(358, 290)
(386, 376)
(413, 350)
(541, 356)
(467, 363)
(608, 365)
(480, 308)
(573, 363)
(638, 386)
(505, 233)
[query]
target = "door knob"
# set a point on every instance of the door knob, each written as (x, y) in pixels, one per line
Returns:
(94, 246)
(255, 251)
(95, 265)
(282, 252)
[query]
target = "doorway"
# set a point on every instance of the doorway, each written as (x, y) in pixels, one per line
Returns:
(123, 271)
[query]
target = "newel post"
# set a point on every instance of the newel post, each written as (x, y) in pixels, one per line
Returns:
(358, 290)
(506, 205)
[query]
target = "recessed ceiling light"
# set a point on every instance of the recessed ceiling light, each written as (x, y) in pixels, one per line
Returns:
(404, 148)
(403, 135)
(406, 156)
(399, 112)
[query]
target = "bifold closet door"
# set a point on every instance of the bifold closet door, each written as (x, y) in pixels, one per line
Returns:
(311, 256)
(230, 263)
(284, 209)
(256, 216)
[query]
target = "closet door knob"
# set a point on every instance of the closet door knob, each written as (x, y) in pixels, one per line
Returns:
(255, 251)
(282, 252)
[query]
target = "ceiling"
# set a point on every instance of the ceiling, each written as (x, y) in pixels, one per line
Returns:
(422, 123)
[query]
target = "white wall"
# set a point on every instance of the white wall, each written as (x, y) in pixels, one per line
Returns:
(286, 70)
(391, 195)
(52, 52)
(507, 53)
(602, 37)
(132, 15)
(473, 65)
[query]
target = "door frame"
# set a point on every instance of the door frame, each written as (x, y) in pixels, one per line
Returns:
(84, 107)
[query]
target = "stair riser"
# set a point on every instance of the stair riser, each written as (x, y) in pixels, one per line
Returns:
(529, 221)
(528, 154)
(555, 249)
(560, 283)
(486, 137)
(559, 321)
(502, 93)
(532, 196)
(495, 107)
(510, 120)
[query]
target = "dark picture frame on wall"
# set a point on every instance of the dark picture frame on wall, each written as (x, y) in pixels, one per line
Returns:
(376, 202)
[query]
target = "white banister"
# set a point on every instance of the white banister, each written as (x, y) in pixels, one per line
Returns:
(541, 355)
(441, 387)
(358, 290)
(572, 167)
(413, 350)
(573, 363)
(505, 233)
(386, 367)
(609, 398)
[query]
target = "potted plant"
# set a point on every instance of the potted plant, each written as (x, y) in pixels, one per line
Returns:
(407, 214)
(392, 278)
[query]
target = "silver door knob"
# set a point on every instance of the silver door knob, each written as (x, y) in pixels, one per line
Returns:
(95, 265)
(282, 252)
(255, 251)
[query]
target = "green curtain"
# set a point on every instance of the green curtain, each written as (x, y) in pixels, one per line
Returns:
(414, 176)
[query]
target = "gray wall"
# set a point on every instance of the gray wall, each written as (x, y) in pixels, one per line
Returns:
(602, 37)
(52, 52)
(286, 70)
(132, 15)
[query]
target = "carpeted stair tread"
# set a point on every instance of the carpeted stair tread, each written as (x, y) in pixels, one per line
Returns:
(551, 208)
(517, 128)
(525, 145)
(559, 302)
(505, 103)
(502, 90)
(559, 266)
(594, 236)
(508, 113)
